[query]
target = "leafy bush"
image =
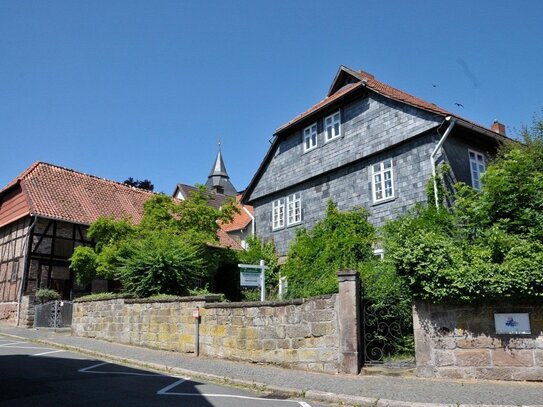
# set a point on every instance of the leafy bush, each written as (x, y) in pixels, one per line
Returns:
(341, 240)
(490, 244)
(156, 256)
(345, 240)
(160, 264)
(44, 295)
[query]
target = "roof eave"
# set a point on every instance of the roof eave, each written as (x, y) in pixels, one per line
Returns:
(480, 129)
(325, 106)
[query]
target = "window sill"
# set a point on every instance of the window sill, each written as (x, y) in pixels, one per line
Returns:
(294, 224)
(311, 149)
(333, 139)
(387, 200)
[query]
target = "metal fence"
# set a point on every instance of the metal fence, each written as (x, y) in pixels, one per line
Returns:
(54, 314)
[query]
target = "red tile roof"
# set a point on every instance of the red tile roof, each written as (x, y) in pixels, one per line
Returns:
(61, 193)
(226, 241)
(241, 220)
(64, 194)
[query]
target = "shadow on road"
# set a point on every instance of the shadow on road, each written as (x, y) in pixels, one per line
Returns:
(27, 380)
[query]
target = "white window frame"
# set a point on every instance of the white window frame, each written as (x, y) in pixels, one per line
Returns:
(379, 253)
(475, 165)
(294, 209)
(379, 180)
(332, 126)
(278, 214)
(310, 137)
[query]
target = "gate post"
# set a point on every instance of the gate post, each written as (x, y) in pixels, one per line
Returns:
(349, 322)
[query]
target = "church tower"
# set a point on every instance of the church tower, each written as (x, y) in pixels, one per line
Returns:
(218, 179)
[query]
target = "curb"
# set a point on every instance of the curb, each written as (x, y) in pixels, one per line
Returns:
(313, 395)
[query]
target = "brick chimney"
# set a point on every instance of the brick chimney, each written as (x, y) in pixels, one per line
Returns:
(497, 127)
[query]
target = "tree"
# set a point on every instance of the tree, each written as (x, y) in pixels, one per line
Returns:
(168, 252)
(490, 245)
(142, 184)
(341, 240)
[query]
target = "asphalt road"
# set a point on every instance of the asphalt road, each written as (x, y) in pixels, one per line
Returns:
(35, 375)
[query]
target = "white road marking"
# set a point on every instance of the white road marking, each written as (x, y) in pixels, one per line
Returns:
(165, 392)
(12, 343)
(86, 369)
(171, 386)
(47, 353)
(89, 370)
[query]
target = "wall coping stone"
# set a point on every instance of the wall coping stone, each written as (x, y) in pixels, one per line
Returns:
(211, 298)
(206, 298)
(249, 304)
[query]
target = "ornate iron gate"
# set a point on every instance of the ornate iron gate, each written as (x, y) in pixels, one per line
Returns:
(380, 332)
(54, 314)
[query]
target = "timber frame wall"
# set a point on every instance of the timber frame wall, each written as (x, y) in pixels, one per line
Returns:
(53, 243)
(13, 255)
(35, 253)
(13, 250)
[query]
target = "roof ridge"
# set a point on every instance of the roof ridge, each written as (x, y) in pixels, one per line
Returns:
(27, 172)
(424, 104)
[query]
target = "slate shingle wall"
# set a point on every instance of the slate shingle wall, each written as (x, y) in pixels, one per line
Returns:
(350, 187)
(369, 125)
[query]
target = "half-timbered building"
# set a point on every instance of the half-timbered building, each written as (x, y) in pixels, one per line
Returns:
(44, 216)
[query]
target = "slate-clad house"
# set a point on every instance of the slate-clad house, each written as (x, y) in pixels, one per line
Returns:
(368, 145)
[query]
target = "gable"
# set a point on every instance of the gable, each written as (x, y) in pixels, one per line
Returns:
(344, 77)
(370, 124)
(13, 206)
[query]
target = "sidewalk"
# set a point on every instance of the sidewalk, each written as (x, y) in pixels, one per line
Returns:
(376, 391)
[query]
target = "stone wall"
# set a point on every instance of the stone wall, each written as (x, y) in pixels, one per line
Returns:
(460, 342)
(299, 333)
(8, 313)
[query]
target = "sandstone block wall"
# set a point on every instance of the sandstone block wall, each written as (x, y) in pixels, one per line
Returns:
(8, 313)
(299, 333)
(460, 342)
(165, 325)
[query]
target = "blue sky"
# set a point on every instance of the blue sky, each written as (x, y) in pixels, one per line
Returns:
(146, 88)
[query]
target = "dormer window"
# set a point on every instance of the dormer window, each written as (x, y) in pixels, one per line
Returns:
(310, 137)
(332, 126)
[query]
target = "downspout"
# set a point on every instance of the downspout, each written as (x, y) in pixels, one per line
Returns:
(252, 220)
(434, 153)
(26, 263)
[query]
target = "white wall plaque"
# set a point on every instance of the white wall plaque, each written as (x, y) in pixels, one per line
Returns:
(512, 323)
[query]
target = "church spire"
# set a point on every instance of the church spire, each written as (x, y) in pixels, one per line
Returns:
(218, 179)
